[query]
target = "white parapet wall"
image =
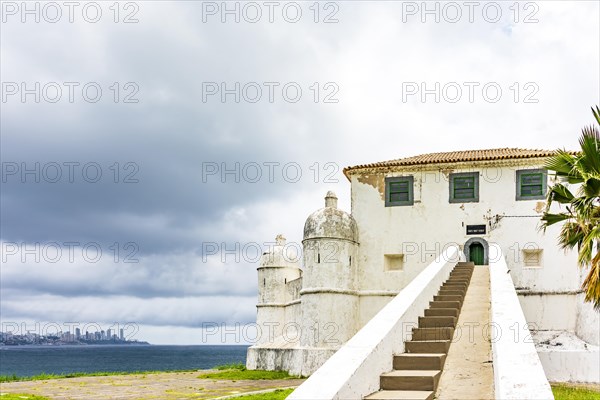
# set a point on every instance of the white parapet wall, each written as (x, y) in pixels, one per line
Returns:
(518, 371)
(567, 358)
(353, 371)
(571, 365)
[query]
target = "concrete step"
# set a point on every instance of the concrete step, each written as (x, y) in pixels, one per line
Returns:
(465, 278)
(459, 277)
(448, 292)
(401, 395)
(427, 346)
(419, 361)
(465, 264)
(459, 285)
(449, 298)
(410, 380)
(444, 304)
(461, 288)
(445, 333)
(461, 272)
(452, 280)
(457, 282)
(437, 322)
(441, 312)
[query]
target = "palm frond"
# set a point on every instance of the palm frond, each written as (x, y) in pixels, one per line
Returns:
(596, 113)
(565, 166)
(586, 249)
(591, 283)
(591, 188)
(571, 235)
(588, 163)
(549, 219)
(560, 193)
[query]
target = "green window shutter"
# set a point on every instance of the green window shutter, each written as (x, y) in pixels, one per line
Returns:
(464, 187)
(399, 191)
(531, 184)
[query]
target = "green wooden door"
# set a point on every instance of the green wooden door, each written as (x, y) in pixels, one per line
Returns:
(476, 253)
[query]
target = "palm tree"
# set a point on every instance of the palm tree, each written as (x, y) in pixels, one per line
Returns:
(581, 218)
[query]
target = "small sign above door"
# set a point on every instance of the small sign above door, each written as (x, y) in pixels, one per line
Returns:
(476, 229)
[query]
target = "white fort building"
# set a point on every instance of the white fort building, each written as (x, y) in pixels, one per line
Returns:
(482, 206)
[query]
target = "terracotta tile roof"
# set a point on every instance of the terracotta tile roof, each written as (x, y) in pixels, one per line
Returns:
(458, 156)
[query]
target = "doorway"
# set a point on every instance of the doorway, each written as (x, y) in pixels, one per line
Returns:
(476, 253)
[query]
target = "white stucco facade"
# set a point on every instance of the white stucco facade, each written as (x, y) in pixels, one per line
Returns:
(353, 264)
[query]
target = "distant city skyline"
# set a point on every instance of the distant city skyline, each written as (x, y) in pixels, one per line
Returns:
(60, 337)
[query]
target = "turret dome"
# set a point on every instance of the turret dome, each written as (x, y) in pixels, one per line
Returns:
(331, 222)
(280, 255)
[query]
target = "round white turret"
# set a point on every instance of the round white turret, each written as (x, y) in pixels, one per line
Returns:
(329, 298)
(278, 266)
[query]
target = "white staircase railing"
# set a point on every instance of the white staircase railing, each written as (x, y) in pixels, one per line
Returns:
(518, 372)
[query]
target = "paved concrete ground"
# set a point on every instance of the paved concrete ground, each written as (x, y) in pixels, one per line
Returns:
(468, 373)
(163, 386)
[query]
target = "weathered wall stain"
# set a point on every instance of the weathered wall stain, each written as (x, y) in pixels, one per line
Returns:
(540, 206)
(375, 181)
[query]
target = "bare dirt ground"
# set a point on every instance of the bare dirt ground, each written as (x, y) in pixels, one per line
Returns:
(163, 386)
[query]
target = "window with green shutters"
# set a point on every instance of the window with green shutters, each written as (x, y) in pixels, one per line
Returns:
(464, 187)
(399, 191)
(531, 184)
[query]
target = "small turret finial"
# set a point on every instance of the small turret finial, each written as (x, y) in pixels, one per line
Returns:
(331, 200)
(280, 240)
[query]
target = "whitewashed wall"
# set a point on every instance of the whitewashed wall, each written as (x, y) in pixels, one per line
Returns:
(588, 322)
(421, 231)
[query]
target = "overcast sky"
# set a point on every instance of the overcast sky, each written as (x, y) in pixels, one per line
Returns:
(288, 96)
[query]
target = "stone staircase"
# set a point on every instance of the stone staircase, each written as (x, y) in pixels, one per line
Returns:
(417, 372)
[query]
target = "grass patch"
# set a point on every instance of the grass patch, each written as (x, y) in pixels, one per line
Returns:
(246, 375)
(20, 396)
(42, 377)
(226, 372)
(567, 392)
(239, 366)
(238, 372)
(279, 394)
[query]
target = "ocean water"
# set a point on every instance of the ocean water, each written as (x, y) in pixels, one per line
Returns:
(33, 360)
